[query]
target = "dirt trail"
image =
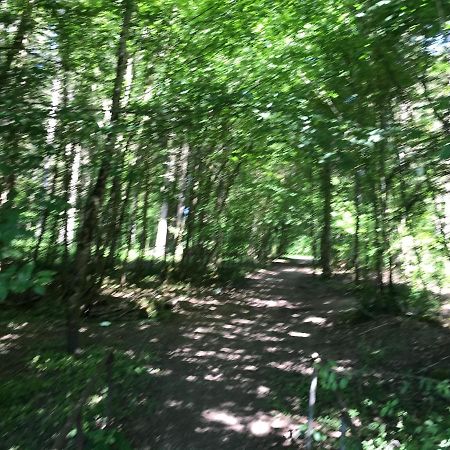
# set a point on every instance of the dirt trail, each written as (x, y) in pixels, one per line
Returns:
(220, 358)
(227, 360)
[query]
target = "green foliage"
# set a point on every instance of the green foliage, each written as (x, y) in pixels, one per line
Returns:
(228, 115)
(192, 142)
(234, 272)
(19, 279)
(412, 411)
(41, 398)
(302, 246)
(16, 276)
(330, 380)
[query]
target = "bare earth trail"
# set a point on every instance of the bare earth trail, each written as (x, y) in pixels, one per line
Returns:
(226, 360)
(219, 359)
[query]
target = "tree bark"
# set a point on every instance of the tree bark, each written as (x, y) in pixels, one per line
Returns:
(144, 219)
(95, 197)
(325, 239)
(17, 43)
(46, 214)
(356, 243)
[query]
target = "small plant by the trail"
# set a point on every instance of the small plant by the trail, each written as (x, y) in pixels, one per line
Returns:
(17, 276)
(374, 410)
(401, 300)
(156, 308)
(233, 272)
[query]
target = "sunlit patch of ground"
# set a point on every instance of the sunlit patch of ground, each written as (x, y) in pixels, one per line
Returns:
(223, 355)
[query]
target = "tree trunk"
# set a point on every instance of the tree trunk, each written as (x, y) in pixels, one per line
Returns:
(325, 239)
(17, 44)
(144, 231)
(123, 209)
(73, 172)
(356, 243)
(46, 214)
(181, 202)
(89, 222)
(131, 232)
(379, 246)
(161, 241)
(161, 233)
(222, 194)
(114, 206)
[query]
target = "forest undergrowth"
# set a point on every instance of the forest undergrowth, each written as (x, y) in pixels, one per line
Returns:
(156, 158)
(386, 379)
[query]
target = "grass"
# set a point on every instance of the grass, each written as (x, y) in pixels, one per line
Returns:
(36, 402)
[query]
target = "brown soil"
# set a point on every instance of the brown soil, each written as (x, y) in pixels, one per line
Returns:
(221, 354)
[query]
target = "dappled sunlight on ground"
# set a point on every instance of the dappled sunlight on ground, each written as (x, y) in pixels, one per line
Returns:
(258, 424)
(221, 357)
(6, 342)
(227, 354)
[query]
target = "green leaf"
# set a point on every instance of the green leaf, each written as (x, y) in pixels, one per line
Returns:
(445, 152)
(40, 290)
(343, 383)
(318, 436)
(72, 433)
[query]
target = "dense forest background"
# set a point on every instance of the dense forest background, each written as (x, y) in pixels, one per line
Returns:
(188, 139)
(201, 133)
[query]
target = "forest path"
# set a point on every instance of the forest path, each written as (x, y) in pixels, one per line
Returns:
(220, 358)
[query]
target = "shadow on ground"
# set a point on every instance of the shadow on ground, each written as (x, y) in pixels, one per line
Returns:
(222, 355)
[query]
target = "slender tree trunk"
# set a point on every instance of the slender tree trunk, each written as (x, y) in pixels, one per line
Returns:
(71, 188)
(356, 243)
(383, 201)
(69, 160)
(162, 233)
(190, 226)
(325, 238)
(112, 212)
(204, 192)
(409, 226)
(315, 245)
(379, 253)
(380, 209)
(181, 202)
(144, 231)
(391, 274)
(115, 207)
(175, 199)
(222, 195)
(17, 44)
(46, 215)
(123, 208)
(131, 234)
(95, 197)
